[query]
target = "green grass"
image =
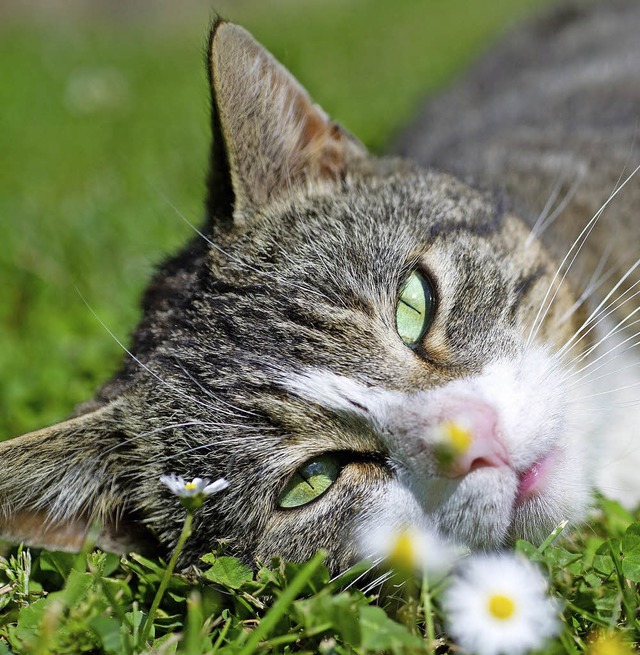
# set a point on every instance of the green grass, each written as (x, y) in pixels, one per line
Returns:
(58, 603)
(103, 128)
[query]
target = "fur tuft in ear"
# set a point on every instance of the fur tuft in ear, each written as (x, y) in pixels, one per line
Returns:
(268, 135)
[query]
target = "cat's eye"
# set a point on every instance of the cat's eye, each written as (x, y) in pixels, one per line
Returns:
(310, 481)
(414, 310)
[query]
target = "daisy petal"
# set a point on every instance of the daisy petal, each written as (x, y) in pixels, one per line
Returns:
(216, 486)
(498, 604)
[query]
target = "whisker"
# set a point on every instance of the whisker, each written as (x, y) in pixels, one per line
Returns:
(607, 353)
(264, 440)
(597, 313)
(543, 223)
(610, 391)
(164, 428)
(577, 244)
(162, 381)
(564, 203)
(618, 327)
(587, 378)
(555, 192)
(595, 282)
(374, 564)
(210, 393)
(378, 582)
(237, 260)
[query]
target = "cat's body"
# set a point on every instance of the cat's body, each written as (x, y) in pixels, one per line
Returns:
(274, 340)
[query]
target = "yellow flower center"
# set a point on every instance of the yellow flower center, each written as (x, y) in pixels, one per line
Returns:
(459, 438)
(609, 644)
(501, 607)
(403, 551)
(190, 485)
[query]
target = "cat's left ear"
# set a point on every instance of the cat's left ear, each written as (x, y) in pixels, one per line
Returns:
(268, 135)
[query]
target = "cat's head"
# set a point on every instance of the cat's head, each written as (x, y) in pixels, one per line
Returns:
(351, 341)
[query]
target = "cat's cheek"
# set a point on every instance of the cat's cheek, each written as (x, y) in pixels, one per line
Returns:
(333, 522)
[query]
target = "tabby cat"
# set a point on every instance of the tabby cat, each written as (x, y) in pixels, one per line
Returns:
(356, 341)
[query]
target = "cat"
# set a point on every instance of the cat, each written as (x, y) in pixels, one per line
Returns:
(354, 341)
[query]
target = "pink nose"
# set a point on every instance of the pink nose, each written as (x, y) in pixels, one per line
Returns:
(471, 427)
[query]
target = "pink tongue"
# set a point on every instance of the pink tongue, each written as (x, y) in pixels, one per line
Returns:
(532, 478)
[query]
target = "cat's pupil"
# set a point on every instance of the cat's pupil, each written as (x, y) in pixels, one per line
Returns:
(414, 311)
(310, 481)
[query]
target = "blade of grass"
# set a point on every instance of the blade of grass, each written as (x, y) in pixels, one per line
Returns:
(281, 605)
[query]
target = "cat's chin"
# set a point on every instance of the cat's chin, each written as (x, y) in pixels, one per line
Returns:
(476, 511)
(493, 507)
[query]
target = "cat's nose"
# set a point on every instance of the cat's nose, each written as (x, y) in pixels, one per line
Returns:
(468, 440)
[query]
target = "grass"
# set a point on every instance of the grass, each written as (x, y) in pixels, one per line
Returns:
(58, 603)
(103, 130)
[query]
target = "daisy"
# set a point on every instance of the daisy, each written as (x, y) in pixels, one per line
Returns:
(498, 604)
(192, 494)
(451, 440)
(410, 551)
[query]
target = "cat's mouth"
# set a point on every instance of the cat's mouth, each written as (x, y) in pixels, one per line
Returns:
(531, 481)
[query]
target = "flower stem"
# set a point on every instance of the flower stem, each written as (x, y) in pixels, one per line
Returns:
(184, 535)
(408, 611)
(428, 614)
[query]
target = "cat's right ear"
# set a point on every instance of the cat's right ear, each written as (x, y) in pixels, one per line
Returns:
(269, 138)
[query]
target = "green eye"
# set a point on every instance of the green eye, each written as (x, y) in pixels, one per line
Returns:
(415, 308)
(309, 482)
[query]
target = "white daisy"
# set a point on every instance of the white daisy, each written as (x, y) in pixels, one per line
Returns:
(451, 440)
(499, 604)
(410, 550)
(192, 494)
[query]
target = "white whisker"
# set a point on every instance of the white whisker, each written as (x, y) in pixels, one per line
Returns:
(212, 395)
(619, 327)
(543, 223)
(599, 312)
(595, 282)
(577, 245)
(374, 564)
(234, 441)
(610, 391)
(237, 260)
(607, 353)
(378, 582)
(162, 381)
(588, 377)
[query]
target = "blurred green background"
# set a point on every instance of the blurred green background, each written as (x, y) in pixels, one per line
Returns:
(104, 138)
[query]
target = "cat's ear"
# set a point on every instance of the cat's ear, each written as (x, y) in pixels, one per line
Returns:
(59, 487)
(268, 135)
